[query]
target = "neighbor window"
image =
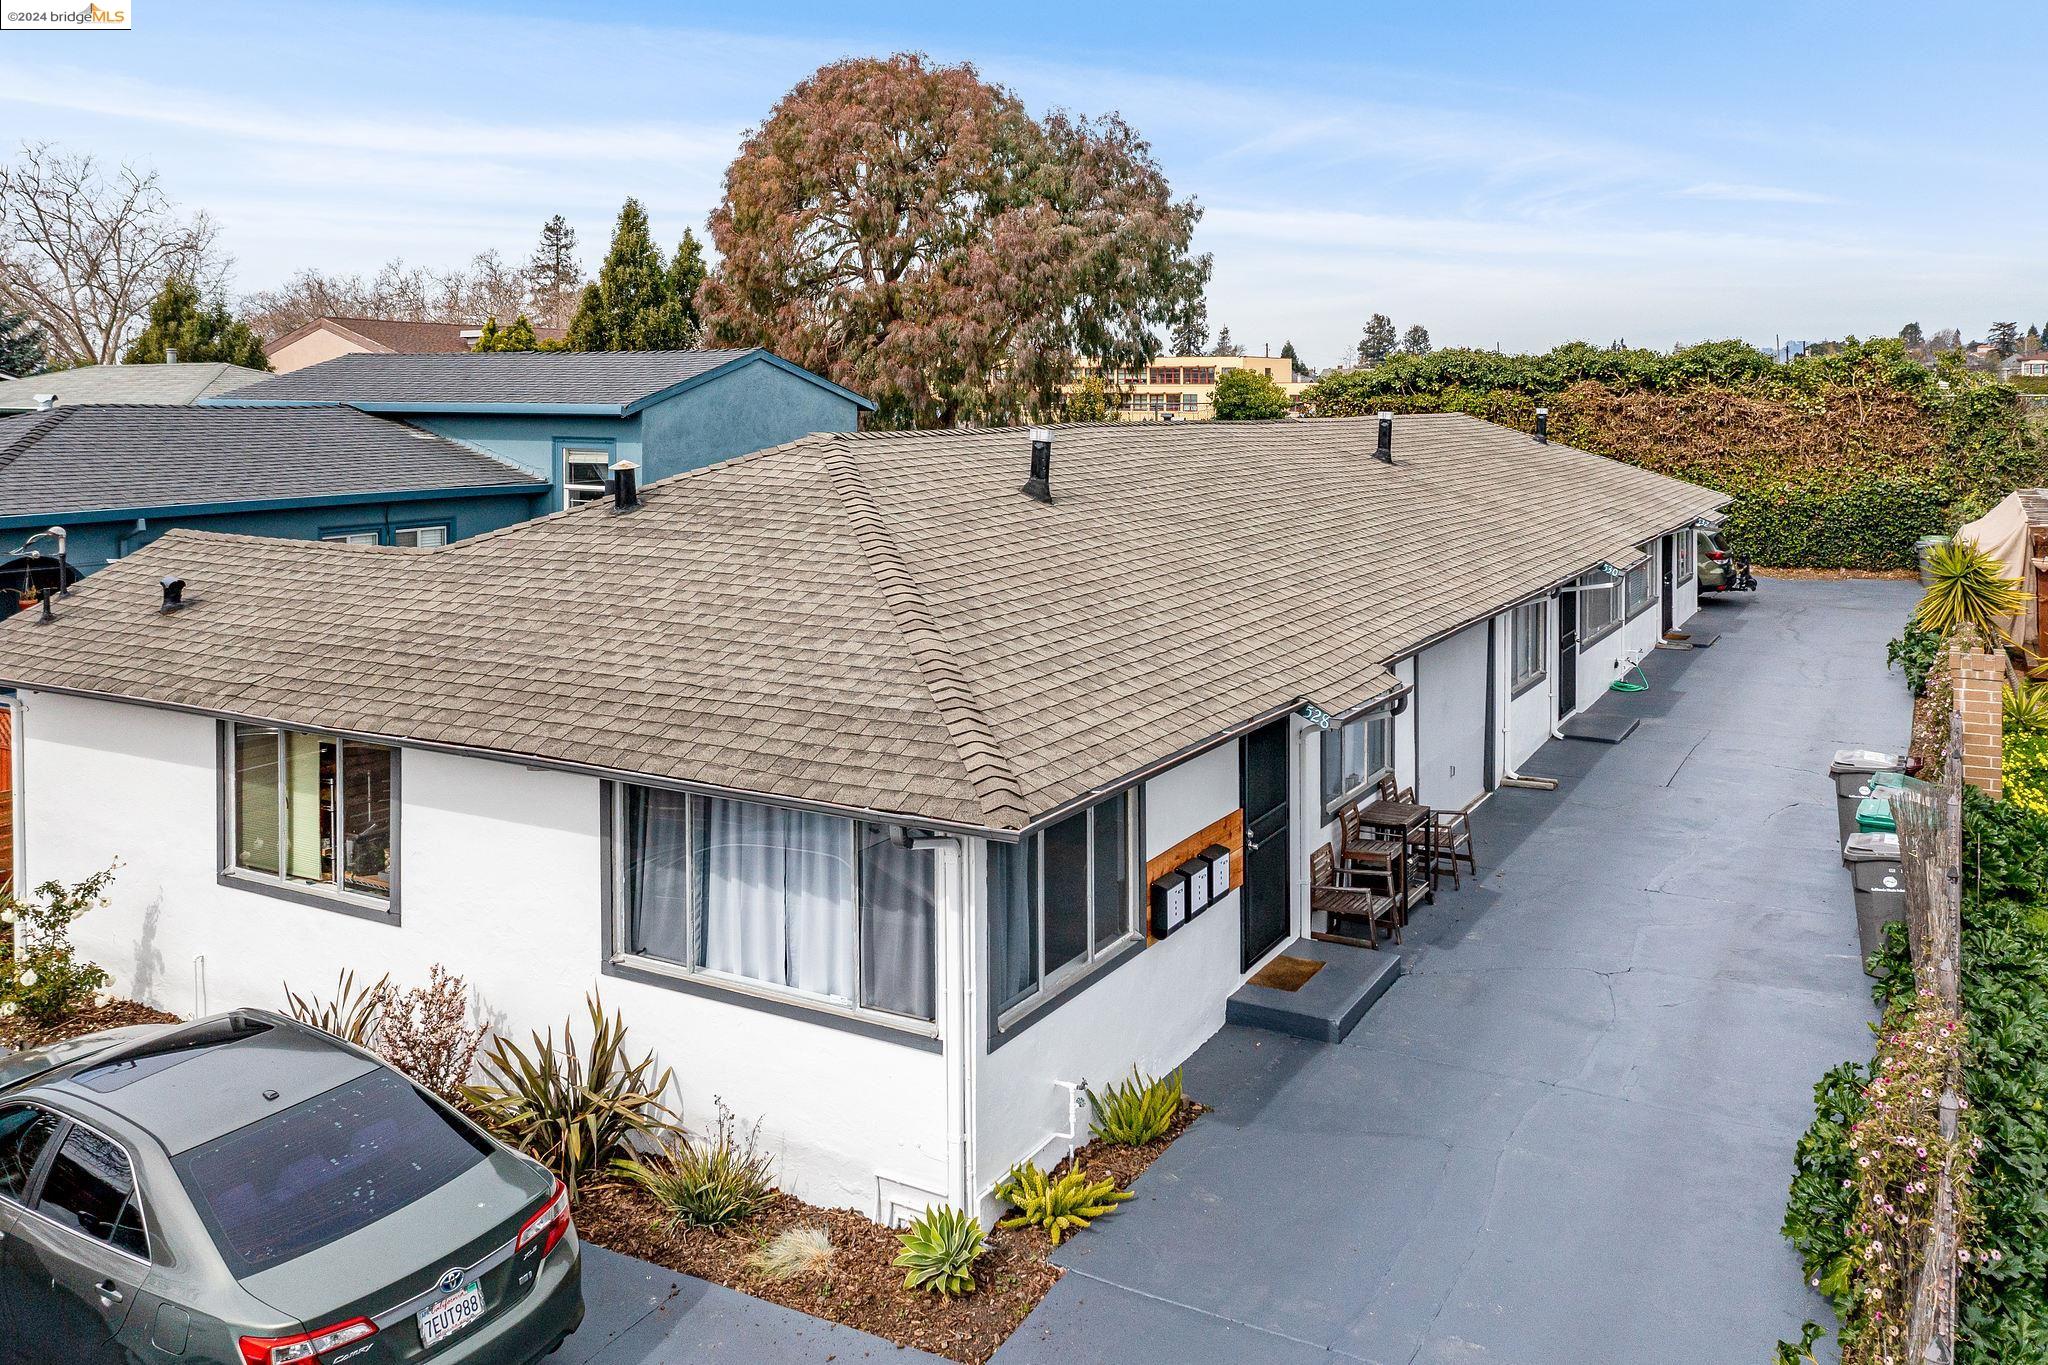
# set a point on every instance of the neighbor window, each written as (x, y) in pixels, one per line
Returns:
(1356, 754)
(310, 811)
(1531, 644)
(1062, 900)
(1638, 582)
(351, 537)
(583, 473)
(420, 537)
(1599, 606)
(1682, 556)
(805, 904)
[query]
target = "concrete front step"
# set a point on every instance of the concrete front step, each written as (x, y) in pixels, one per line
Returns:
(1329, 1004)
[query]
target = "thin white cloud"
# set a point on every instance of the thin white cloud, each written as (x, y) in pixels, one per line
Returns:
(1728, 192)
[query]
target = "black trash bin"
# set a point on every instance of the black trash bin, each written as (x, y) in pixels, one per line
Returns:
(1875, 871)
(1852, 771)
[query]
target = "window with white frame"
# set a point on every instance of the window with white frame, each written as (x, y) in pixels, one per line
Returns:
(797, 903)
(1529, 630)
(1599, 606)
(584, 469)
(311, 812)
(1682, 556)
(1356, 754)
(351, 537)
(421, 537)
(1062, 900)
(1637, 584)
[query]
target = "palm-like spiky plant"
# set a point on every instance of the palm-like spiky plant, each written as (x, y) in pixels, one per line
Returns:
(2026, 706)
(1059, 1206)
(1968, 589)
(1137, 1111)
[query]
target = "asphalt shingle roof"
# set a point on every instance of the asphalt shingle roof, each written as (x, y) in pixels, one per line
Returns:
(180, 383)
(882, 621)
(606, 378)
(101, 457)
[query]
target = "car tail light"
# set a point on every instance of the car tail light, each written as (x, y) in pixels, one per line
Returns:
(307, 1345)
(1717, 555)
(549, 1225)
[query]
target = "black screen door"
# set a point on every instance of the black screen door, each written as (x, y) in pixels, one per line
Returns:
(1668, 566)
(1567, 653)
(1264, 901)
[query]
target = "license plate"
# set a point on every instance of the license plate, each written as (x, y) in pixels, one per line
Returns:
(442, 1320)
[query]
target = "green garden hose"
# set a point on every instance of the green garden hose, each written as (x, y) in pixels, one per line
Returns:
(1622, 684)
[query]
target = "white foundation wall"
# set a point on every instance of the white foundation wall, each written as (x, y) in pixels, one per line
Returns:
(1151, 1012)
(500, 870)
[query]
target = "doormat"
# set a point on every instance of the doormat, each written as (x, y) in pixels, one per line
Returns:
(1286, 973)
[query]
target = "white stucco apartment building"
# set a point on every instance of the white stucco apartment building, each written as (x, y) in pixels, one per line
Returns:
(842, 770)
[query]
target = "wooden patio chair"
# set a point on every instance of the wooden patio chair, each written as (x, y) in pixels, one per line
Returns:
(1454, 843)
(1368, 861)
(1339, 902)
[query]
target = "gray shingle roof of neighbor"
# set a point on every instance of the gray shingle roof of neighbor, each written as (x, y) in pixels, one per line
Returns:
(106, 457)
(883, 622)
(596, 379)
(180, 383)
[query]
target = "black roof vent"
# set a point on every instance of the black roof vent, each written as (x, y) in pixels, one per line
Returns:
(625, 486)
(1385, 453)
(1039, 485)
(1543, 425)
(174, 596)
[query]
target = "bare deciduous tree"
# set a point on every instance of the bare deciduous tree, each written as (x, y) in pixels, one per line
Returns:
(487, 287)
(82, 252)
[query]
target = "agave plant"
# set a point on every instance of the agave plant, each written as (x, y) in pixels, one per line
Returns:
(1059, 1206)
(2026, 707)
(939, 1252)
(1968, 589)
(1137, 1111)
(576, 1111)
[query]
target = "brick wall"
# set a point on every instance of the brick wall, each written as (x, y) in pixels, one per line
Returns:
(1979, 678)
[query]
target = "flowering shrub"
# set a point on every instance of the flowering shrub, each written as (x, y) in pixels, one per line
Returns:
(41, 980)
(427, 1033)
(2026, 769)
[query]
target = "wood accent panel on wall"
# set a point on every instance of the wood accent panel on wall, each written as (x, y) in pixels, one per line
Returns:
(1229, 832)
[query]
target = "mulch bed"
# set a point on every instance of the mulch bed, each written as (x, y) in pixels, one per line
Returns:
(18, 1032)
(861, 1288)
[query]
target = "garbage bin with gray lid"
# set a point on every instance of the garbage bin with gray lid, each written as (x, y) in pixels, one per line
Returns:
(1876, 873)
(1922, 548)
(1853, 770)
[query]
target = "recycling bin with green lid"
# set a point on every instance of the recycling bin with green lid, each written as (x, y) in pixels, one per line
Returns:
(1855, 772)
(1874, 814)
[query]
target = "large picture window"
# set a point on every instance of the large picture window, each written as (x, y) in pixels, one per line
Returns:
(312, 812)
(1599, 606)
(1061, 901)
(1356, 754)
(809, 905)
(1531, 644)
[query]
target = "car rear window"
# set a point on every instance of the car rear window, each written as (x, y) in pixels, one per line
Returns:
(310, 1175)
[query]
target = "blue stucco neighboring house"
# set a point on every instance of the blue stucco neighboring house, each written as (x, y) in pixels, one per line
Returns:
(568, 416)
(115, 476)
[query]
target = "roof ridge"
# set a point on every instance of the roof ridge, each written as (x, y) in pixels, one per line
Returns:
(54, 419)
(989, 770)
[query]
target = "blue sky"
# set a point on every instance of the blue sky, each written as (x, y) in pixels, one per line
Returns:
(1505, 174)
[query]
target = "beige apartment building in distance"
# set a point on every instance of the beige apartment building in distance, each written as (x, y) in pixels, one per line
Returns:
(1180, 388)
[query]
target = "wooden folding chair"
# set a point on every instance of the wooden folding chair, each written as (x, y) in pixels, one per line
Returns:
(1338, 902)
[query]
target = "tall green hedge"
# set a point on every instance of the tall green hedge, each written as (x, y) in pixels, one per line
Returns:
(1838, 461)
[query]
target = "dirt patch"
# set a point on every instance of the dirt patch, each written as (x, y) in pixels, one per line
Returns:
(859, 1288)
(1762, 572)
(1125, 1164)
(18, 1033)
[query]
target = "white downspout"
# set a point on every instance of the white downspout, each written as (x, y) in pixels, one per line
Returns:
(957, 1038)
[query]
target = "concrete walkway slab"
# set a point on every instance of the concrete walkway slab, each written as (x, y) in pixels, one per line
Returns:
(1564, 1136)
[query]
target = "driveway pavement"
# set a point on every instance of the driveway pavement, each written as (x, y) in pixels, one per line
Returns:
(1565, 1135)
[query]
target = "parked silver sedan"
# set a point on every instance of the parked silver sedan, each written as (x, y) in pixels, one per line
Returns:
(245, 1190)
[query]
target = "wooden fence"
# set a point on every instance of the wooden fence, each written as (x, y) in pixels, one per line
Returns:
(1930, 819)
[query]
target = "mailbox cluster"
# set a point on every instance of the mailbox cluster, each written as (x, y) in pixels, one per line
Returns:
(1185, 892)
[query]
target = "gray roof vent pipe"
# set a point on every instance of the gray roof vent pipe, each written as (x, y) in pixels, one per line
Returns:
(1543, 425)
(170, 355)
(1385, 453)
(1039, 485)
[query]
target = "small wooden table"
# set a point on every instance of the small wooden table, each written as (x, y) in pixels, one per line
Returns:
(1401, 819)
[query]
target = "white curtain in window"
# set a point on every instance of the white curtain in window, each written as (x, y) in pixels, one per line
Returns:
(776, 887)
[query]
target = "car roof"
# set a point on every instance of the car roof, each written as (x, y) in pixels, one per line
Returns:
(191, 1084)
